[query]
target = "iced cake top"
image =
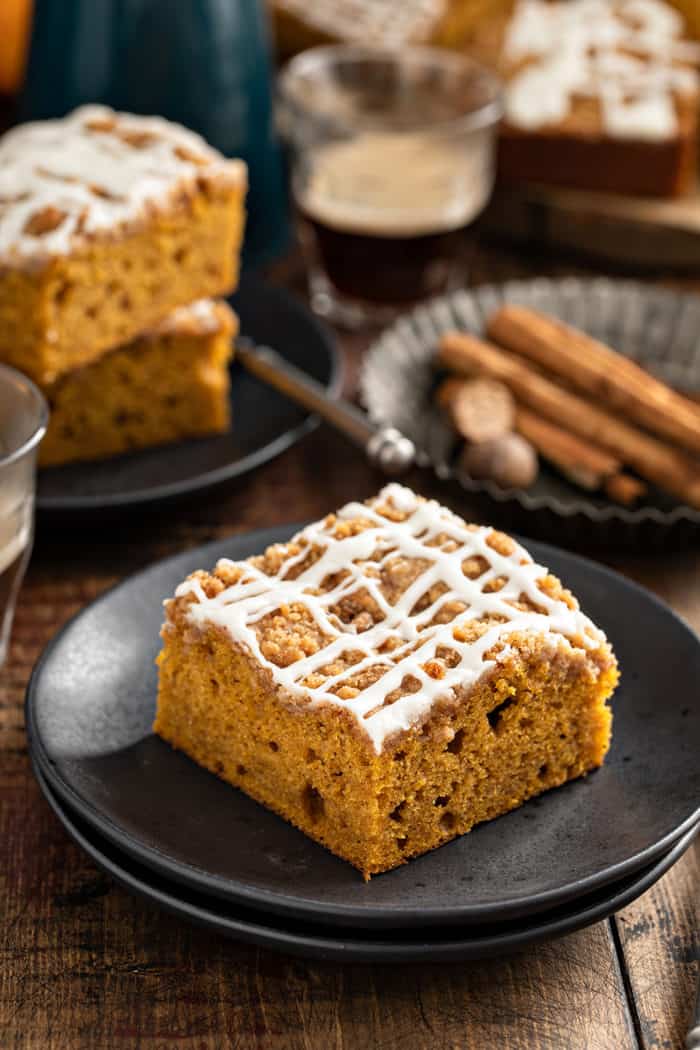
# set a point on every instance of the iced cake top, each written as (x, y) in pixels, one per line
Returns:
(382, 21)
(630, 56)
(94, 172)
(384, 608)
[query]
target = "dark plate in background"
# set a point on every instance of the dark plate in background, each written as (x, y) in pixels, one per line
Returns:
(91, 701)
(353, 945)
(654, 326)
(264, 422)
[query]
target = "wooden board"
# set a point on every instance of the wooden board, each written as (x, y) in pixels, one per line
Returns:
(641, 232)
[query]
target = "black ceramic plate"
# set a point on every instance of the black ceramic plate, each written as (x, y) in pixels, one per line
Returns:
(351, 945)
(91, 701)
(264, 422)
(654, 326)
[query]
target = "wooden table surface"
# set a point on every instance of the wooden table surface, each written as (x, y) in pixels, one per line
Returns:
(85, 965)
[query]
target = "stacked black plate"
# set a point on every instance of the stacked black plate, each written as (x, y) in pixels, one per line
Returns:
(168, 830)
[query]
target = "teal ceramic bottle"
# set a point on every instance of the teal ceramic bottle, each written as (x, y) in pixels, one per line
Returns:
(204, 63)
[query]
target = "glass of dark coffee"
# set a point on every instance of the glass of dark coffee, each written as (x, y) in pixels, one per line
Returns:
(23, 418)
(392, 161)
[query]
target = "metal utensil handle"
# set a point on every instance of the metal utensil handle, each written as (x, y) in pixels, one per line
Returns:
(692, 1039)
(386, 447)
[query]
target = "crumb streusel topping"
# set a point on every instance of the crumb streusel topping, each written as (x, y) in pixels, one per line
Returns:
(385, 607)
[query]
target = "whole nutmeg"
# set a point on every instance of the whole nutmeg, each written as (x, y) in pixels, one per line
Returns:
(510, 461)
(479, 409)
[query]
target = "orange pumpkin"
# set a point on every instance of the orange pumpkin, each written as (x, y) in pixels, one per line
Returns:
(15, 20)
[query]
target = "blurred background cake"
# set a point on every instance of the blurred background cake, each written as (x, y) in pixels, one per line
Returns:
(443, 23)
(113, 227)
(600, 94)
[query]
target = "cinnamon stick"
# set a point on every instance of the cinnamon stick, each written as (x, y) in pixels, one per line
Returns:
(624, 488)
(667, 467)
(586, 465)
(593, 368)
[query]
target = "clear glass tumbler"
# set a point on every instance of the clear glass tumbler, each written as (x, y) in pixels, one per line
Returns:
(392, 161)
(23, 418)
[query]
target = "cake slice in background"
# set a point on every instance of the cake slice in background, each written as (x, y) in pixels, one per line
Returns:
(108, 221)
(387, 679)
(600, 95)
(169, 384)
(382, 23)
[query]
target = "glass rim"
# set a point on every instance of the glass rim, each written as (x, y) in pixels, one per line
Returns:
(485, 114)
(41, 411)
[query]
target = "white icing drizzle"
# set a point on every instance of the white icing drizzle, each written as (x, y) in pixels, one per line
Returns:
(203, 315)
(100, 170)
(630, 55)
(241, 605)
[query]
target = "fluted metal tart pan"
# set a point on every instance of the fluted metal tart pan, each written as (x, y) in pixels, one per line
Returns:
(657, 327)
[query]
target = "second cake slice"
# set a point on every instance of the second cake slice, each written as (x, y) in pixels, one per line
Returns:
(170, 384)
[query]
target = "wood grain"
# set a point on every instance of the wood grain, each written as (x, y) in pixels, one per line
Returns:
(84, 965)
(658, 935)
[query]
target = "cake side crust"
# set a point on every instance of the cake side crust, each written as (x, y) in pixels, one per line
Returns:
(536, 721)
(578, 155)
(309, 766)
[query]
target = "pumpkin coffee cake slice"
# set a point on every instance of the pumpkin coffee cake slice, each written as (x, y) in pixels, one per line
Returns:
(108, 222)
(387, 679)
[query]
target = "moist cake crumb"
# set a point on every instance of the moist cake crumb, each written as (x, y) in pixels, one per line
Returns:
(170, 384)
